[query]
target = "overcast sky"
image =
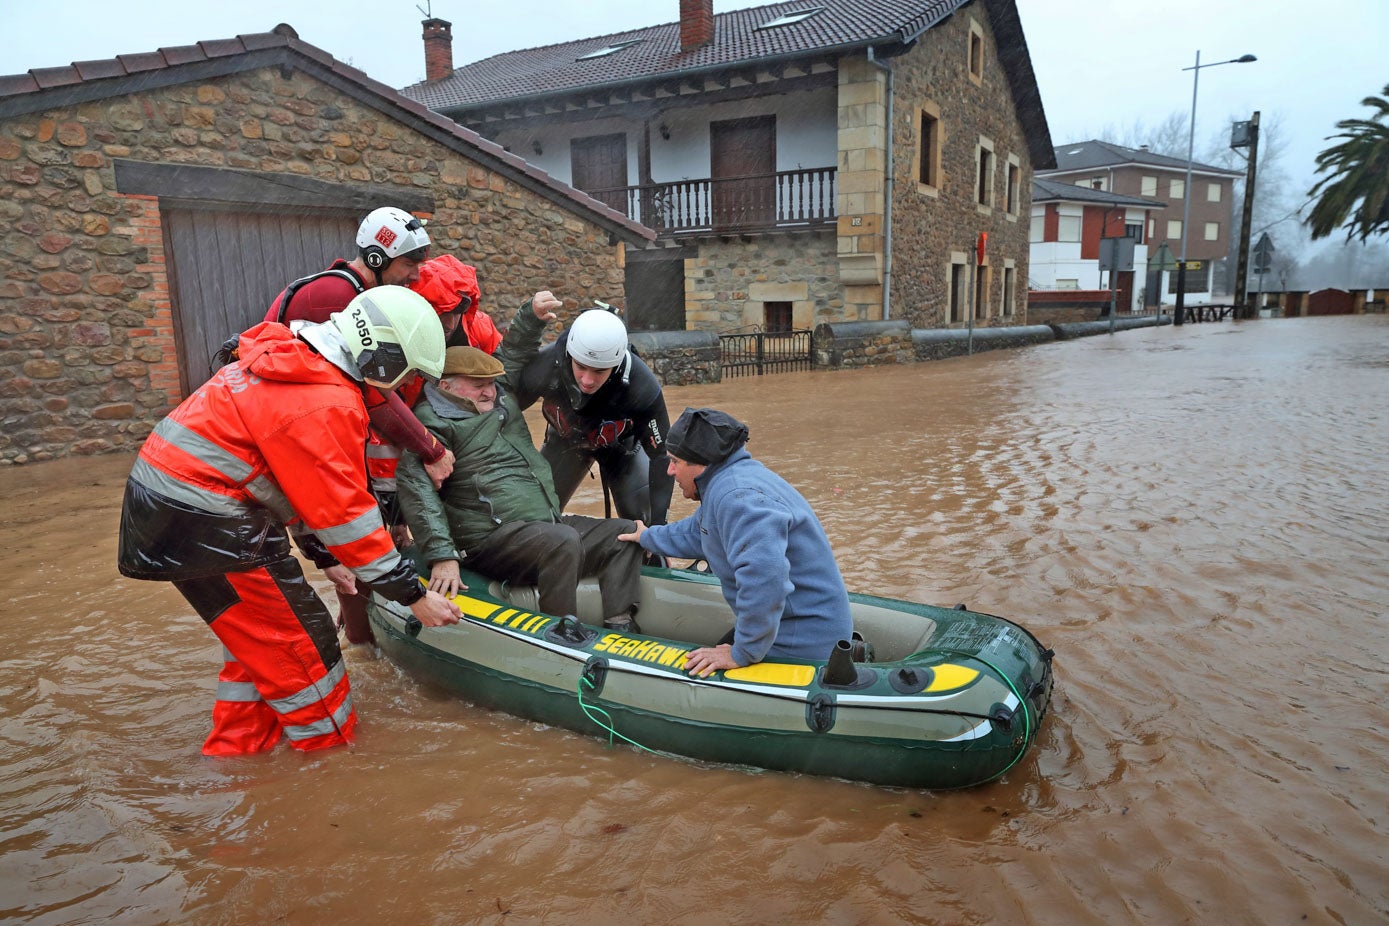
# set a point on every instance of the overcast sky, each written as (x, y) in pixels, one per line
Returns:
(1098, 62)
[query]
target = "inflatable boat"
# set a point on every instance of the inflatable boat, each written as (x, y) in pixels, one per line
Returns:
(939, 698)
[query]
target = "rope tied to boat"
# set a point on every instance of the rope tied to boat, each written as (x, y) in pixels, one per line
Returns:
(591, 711)
(1029, 728)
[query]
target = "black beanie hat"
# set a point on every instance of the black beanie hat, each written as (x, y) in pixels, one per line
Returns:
(705, 435)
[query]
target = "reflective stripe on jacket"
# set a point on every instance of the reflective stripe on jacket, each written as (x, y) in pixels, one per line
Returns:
(276, 437)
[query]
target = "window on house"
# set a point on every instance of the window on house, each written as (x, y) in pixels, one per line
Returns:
(790, 18)
(1014, 179)
(1134, 230)
(1212, 231)
(1068, 284)
(1149, 186)
(1152, 227)
(1176, 189)
(928, 149)
(606, 50)
(1039, 228)
(776, 316)
(1068, 228)
(984, 187)
(957, 292)
(1212, 192)
(976, 51)
(1174, 229)
(1009, 293)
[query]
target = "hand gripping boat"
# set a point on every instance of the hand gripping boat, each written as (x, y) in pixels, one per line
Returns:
(951, 699)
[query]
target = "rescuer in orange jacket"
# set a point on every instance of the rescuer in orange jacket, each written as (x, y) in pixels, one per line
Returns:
(277, 440)
(392, 249)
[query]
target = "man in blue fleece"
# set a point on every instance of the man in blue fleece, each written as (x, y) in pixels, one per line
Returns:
(760, 538)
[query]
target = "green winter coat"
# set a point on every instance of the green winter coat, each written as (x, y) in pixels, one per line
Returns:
(498, 476)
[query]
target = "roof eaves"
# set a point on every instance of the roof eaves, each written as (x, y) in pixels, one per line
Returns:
(662, 76)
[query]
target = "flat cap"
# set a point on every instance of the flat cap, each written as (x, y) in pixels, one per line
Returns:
(469, 361)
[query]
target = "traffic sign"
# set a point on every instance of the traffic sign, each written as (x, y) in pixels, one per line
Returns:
(1263, 254)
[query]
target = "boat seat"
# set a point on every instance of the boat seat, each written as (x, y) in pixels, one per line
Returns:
(697, 615)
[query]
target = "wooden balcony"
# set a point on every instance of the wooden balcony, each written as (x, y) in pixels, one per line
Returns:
(728, 205)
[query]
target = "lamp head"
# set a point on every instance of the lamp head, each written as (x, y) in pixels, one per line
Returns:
(1245, 59)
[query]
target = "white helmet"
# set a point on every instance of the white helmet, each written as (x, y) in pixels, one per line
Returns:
(388, 233)
(598, 339)
(390, 332)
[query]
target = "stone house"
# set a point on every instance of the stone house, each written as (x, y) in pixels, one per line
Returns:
(1102, 165)
(802, 163)
(153, 204)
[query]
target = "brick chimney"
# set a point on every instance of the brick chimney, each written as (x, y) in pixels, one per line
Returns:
(438, 49)
(696, 24)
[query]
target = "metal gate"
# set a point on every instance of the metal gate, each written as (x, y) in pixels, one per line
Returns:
(756, 352)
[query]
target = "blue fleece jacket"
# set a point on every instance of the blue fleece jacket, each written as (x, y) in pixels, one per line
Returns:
(765, 544)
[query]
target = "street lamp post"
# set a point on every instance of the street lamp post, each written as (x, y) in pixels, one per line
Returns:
(1178, 313)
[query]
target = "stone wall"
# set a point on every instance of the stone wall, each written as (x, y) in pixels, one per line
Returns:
(931, 225)
(842, 345)
(87, 348)
(727, 285)
(680, 358)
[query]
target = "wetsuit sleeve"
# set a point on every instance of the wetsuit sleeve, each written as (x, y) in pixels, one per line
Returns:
(424, 511)
(680, 539)
(394, 421)
(652, 430)
(756, 531)
(317, 459)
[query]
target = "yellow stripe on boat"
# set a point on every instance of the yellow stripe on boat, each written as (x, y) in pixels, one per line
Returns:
(773, 673)
(948, 677)
(472, 607)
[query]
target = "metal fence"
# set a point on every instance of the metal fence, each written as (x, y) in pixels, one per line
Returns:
(757, 352)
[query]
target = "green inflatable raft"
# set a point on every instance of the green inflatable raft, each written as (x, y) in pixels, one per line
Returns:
(951, 698)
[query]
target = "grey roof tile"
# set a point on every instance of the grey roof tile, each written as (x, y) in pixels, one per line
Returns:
(839, 24)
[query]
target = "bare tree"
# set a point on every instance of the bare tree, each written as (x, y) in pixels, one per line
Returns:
(1166, 136)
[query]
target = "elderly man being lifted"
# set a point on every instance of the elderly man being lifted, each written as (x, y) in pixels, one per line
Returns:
(499, 509)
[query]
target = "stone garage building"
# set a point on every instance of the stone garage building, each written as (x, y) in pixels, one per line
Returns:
(153, 204)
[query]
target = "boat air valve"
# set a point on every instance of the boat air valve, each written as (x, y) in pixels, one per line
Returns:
(413, 626)
(840, 668)
(910, 679)
(842, 672)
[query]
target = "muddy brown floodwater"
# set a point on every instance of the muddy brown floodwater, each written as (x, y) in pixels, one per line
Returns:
(1195, 520)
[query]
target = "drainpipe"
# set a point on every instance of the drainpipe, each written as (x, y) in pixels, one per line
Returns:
(887, 205)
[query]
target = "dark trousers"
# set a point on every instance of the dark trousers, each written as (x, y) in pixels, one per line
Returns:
(554, 557)
(625, 469)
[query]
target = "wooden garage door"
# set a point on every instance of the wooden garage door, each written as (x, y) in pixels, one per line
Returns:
(225, 266)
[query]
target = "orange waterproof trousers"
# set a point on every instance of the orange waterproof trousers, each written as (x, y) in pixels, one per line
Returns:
(284, 672)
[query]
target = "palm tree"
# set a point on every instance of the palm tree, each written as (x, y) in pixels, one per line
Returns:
(1355, 192)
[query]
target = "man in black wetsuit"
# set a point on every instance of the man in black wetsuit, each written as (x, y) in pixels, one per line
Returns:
(600, 402)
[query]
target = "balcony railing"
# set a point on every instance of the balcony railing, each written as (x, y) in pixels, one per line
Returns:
(730, 204)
